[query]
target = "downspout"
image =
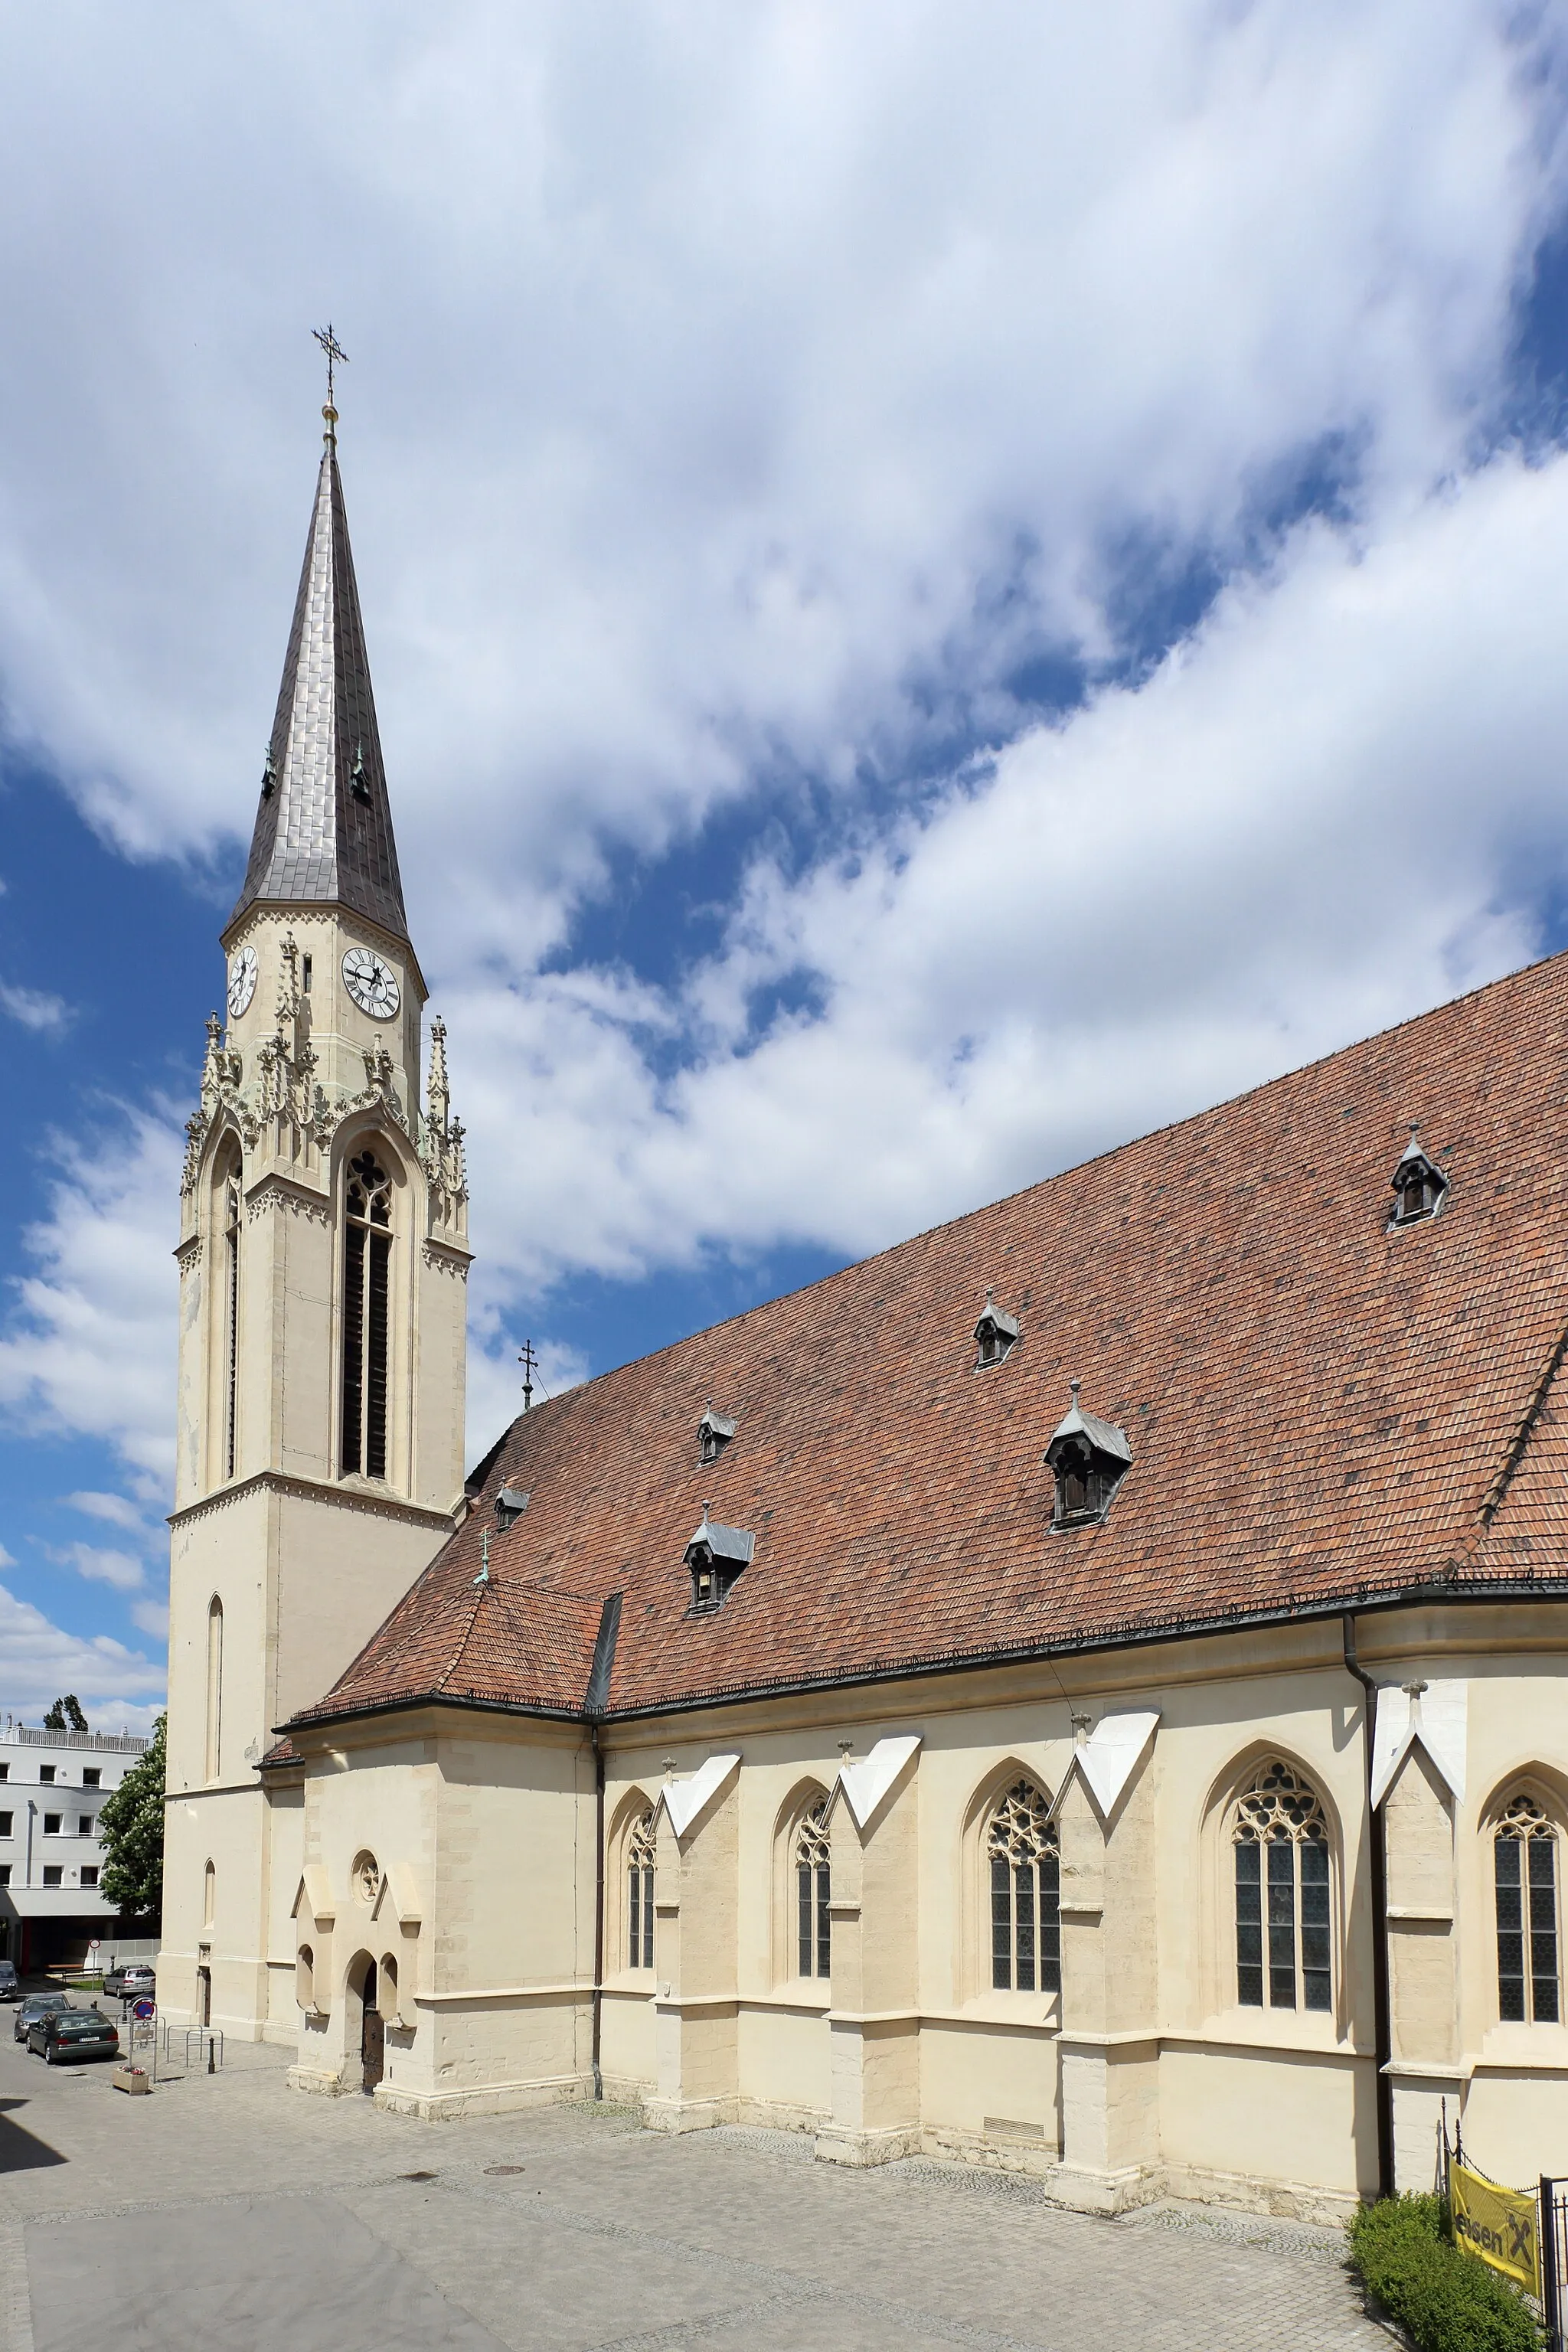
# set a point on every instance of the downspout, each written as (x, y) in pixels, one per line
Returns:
(598, 1909)
(594, 1705)
(1382, 2028)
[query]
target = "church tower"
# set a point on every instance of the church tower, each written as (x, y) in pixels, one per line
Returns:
(323, 1262)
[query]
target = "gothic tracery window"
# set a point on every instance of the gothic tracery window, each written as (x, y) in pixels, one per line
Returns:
(813, 1891)
(1282, 1914)
(639, 1894)
(367, 1282)
(1025, 1893)
(231, 1320)
(1524, 1866)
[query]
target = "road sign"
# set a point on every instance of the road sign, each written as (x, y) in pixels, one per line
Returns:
(144, 2008)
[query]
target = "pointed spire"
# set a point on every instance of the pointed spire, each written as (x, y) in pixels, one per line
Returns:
(324, 830)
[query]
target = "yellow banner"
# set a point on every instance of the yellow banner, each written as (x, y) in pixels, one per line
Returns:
(1500, 2225)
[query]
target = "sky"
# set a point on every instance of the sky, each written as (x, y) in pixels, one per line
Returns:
(944, 587)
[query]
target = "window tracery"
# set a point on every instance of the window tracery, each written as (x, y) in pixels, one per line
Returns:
(1282, 1912)
(1524, 1868)
(814, 1890)
(640, 1850)
(231, 1227)
(1026, 1893)
(367, 1284)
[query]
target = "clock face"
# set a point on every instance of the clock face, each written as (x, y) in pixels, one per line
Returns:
(371, 984)
(241, 982)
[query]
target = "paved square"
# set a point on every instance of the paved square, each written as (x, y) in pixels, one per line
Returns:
(227, 2212)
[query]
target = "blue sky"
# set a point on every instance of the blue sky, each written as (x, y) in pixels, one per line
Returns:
(941, 590)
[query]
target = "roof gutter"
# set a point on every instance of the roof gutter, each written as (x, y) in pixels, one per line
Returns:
(1377, 1850)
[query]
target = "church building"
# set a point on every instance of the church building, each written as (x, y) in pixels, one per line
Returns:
(1081, 1692)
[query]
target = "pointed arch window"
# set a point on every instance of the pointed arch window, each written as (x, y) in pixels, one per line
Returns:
(1524, 1870)
(215, 1686)
(639, 1894)
(1026, 1893)
(367, 1286)
(1282, 1916)
(812, 1893)
(231, 1226)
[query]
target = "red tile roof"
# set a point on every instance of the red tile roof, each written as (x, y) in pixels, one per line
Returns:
(1319, 1411)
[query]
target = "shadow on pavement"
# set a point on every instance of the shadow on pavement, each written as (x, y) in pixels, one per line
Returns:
(19, 2150)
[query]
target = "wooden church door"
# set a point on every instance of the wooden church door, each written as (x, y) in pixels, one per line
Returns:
(373, 2032)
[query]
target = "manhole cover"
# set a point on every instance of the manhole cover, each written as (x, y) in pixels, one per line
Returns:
(421, 2176)
(495, 2169)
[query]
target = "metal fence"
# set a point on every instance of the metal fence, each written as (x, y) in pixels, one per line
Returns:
(1553, 2260)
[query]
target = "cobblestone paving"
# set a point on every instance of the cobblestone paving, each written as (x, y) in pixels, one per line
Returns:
(229, 2212)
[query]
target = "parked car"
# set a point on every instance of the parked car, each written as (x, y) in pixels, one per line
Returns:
(38, 2004)
(10, 1983)
(63, 2035)
(132, 1980)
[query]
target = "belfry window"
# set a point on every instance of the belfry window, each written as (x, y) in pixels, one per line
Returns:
(1025, 1893)
(367, 1284)
(995, 1334)
(1419, 1185)
(1524, 1864)
(812, 1893)
(231, 1213)
(1282, 1918)
(639, 1894)
(1088, 1459)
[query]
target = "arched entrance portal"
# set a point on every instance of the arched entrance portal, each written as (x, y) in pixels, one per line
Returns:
(364, 1996)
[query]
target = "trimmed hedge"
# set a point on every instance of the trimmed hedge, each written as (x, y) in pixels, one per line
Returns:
(1445, 2298)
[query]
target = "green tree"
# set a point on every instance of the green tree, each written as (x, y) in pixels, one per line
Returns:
(131, 1824)
(66, 1714)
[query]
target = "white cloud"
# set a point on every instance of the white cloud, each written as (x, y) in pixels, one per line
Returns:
(117, 1568)
(35, 1009)
(5, 1558)
(116, 1509)
(38, 1661)
(89, 1345)
(151, 1617)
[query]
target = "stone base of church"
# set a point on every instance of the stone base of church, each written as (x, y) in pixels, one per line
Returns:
(1282, 2200)
(484, 2098)
(689, 2114)
(836, 2144)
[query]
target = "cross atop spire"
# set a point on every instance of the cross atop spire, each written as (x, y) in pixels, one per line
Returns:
(323, 829)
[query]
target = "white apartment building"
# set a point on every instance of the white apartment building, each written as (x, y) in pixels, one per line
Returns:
(51, 1785)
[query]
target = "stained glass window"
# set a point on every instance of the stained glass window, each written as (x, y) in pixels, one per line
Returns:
(1283, 1922)
(813, 1888)
(1025, 1893)
(639, 1894)
(1524, 1861)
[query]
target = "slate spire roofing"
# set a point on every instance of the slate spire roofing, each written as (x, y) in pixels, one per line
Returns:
(1321, 1413)
(323, 829)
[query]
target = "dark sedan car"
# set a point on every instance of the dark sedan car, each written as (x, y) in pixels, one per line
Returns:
(38, 2004)
(64, 2035)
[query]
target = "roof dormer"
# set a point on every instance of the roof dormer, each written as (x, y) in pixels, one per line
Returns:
(1090, 1458)
(511, 1504)
(1418, 1184)
(714, 1432)
(716, 1556)
(995, 1333)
